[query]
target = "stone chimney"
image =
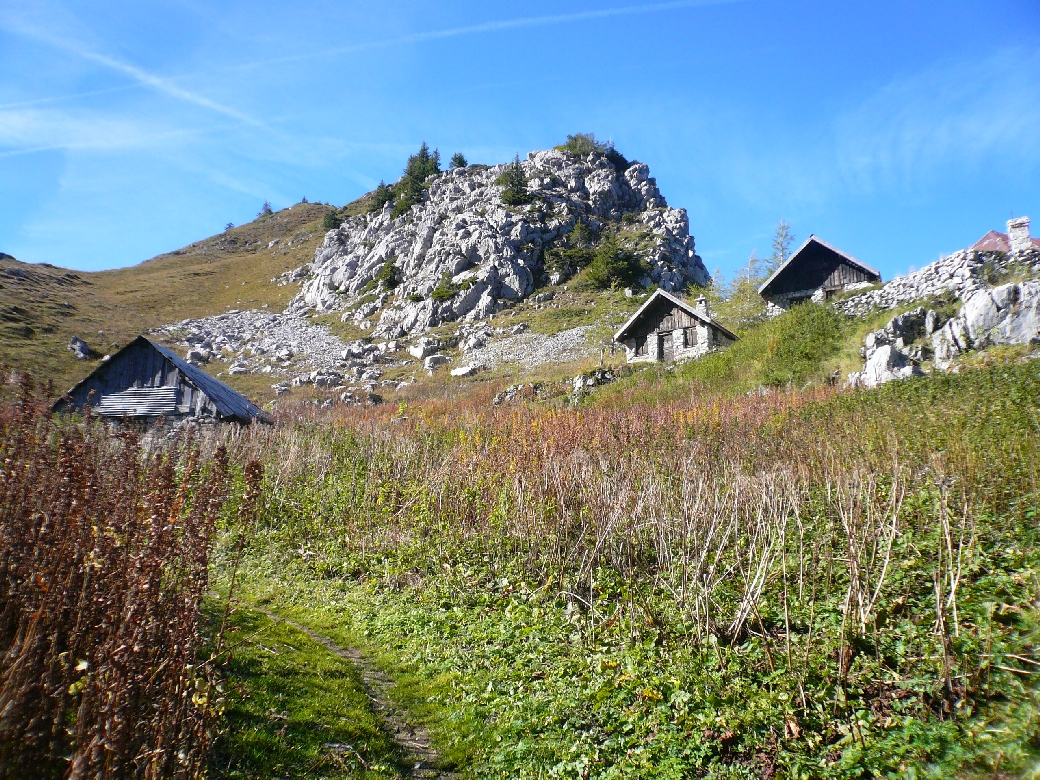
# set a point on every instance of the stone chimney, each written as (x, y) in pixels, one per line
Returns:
(702, 306)
(1018, 234)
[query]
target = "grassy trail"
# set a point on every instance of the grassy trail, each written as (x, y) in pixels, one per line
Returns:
(413, 740)
(300, 706)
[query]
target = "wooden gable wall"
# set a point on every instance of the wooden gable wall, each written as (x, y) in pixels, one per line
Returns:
(817, 267)
(140, 366)
(663, 316)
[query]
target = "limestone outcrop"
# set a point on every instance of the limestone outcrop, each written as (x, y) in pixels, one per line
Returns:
(958, 275)
(461, 255)
(1008, 314)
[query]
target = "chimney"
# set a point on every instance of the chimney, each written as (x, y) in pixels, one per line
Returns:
(702, 307)
(1018, 234)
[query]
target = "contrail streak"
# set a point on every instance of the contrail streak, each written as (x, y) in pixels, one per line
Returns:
(139, 75)
(486, 27)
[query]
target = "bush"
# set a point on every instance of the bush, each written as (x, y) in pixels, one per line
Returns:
(387, 275)
(612, 265)
(458, 160)
(514, 184)
(409, 190)
(618, 160)
(445, 290)
(582, 145)
(331, 220)
(381, 195)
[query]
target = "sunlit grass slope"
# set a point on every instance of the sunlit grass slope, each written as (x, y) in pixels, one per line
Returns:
(43, 306)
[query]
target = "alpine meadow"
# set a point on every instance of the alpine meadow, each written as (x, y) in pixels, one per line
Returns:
(705, 445)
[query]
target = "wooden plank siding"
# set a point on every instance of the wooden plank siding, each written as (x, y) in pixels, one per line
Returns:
(144, 364)
(661, 317)
(816, 270)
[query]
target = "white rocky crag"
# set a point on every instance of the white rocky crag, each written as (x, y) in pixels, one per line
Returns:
(490, 253)
(281, 345)
(896, 350)
(1008, 314)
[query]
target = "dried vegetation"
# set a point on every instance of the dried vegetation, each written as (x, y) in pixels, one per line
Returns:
(104, 557)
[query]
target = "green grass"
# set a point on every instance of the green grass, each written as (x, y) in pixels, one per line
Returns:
(518, 680)
(415, 690)
(295, 710)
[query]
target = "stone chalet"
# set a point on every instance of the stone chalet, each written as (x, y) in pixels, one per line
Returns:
(1016, 240)
(667, 328)
(816, 272)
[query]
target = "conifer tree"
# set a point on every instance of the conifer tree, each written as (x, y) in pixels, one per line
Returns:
(515, 184)
(458, 160)
(782, 239)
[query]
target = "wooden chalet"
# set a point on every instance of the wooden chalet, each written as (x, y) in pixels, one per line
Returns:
(817, 271)
(144, 381)
(667, 328)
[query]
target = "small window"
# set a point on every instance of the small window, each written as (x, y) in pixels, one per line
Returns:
(689, 337)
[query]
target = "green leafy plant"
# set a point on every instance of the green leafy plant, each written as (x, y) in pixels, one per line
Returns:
(582, 145)
(613, 264)
(445, 289)
(388, 275)
(458, 160)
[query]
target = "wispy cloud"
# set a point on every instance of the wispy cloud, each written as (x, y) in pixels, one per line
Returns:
(160, 84)
(73, 96)
(491, 27)
(28, 130)
(967, 114)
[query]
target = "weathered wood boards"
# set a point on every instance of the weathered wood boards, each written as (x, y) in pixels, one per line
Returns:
(147, 380)
(816, 272)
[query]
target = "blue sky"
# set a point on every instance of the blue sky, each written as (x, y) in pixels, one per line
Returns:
(897, 131)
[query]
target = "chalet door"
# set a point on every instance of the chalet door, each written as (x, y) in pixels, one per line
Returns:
(665, 351)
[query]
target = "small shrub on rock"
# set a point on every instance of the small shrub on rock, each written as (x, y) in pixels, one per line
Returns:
(614, 265)
(381, 195)
(445, 290)
(582, 145)
(387, 275)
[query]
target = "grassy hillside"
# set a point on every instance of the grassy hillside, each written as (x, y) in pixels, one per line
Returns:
(806, 583)
(42, 307)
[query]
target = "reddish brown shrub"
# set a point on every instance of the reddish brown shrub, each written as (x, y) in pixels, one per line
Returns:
(104, 549)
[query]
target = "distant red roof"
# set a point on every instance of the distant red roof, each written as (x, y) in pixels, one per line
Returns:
(995, 241)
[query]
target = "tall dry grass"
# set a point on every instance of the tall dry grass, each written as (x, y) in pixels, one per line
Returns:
(104, 555)
(824, 525)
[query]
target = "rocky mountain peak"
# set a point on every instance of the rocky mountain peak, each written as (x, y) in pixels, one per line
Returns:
(463, 254)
